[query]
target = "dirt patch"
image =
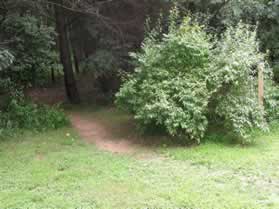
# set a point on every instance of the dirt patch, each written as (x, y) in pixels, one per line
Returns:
(94, 132)
(117, 138)
(39, 157)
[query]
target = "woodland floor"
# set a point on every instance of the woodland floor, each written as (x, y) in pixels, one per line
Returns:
(103, 162)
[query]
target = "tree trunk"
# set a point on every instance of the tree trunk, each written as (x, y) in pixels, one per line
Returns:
(75, 49)
(76, 61)
(52, 76)
(65, 56)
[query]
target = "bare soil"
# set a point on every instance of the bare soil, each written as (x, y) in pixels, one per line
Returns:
(94, 132)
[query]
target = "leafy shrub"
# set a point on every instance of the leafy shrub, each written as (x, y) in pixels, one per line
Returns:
(17, 113)
(21, 114)
(234, 80)
(27, 115)
(271, 101)
(169, 87)
(184, 78)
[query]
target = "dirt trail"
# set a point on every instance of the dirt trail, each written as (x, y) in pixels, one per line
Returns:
(94, 132)
(91, 129)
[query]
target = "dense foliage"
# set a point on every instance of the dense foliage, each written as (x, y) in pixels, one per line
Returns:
(31, 43)
(21, 114)
(271, 101)
(234, 79)
(32, 55)
(169, 86)
(223, 13)
(185, 79)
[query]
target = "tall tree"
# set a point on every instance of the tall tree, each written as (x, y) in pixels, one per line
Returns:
(65, 54)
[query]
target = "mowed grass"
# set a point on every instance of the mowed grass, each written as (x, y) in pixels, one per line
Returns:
(58, 170)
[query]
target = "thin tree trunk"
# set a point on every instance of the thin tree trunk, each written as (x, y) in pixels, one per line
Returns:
(74, 47)
(76, 61)
(65, 56)
(52, 76)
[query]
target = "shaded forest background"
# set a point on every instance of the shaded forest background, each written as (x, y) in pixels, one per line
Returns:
(95, 37)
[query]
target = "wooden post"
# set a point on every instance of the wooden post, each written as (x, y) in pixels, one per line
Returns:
(261, 84)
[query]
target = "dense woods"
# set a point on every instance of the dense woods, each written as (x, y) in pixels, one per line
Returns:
(45, 42)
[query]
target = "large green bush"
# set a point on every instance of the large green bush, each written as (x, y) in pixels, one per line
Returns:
(185, 79)
(234, 79)
(169, 87)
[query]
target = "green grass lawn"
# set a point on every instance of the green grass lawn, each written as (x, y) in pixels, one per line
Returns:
(55, 170)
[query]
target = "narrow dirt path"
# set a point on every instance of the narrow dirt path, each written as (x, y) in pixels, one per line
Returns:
(94, 132)
(91, 129)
